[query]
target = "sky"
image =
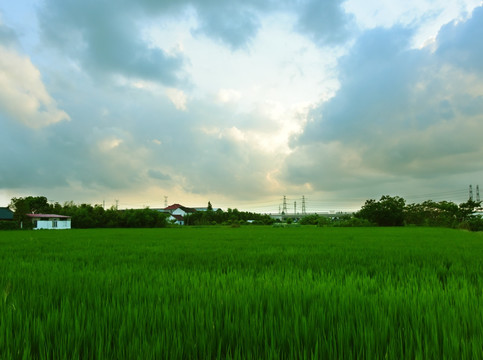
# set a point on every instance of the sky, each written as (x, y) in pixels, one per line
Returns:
(241, 102)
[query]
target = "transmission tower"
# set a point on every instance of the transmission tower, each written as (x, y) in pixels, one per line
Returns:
(471, 193)
(165, 201)
(295, 207)
(477, 193)
(284, 206)
(303, 205)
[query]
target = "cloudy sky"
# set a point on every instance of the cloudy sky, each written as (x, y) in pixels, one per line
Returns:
(240, 102)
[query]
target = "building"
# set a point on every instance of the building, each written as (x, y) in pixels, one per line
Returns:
(177, 213)
(176, 219)
(205, 209)
(6, 214)
(50, 221)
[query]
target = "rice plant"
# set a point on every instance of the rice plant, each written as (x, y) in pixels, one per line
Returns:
(241, 293)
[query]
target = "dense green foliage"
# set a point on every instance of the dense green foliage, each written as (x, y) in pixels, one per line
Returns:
(393, 211)
(231, 216)
(246, 293)
(388, 211)
(86, 216)
(8, 225)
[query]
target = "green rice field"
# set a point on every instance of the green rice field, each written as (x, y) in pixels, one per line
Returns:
(245, 293)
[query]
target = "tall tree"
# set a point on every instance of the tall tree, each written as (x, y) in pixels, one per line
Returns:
(27, 205)
(388, 211)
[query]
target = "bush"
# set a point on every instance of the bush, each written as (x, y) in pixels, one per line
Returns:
(310, 220)
(9, 225)
(323, 221)
(474, 223)
(278, 225)
(353, 222)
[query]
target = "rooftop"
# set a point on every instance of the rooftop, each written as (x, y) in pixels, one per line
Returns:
(6, 213)
(48, 216)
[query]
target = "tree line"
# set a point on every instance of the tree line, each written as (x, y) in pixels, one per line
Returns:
(393, 211)
(85, 215)
(387, 211)
(95, 216)
(231, 217)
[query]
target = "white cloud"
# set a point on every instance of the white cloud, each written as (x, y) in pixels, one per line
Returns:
(178, 98)
(23, 96)
(228, 95)
(109, 143)
(424, 16)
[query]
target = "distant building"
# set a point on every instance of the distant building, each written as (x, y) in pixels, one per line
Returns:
(50, 221)
(205, 209)
(6, 214)
(177, 213)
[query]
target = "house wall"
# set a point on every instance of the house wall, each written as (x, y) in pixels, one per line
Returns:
(176, 221)
(53, 224)
(179, 211)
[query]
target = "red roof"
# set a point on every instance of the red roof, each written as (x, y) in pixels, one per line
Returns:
(178, 206)
(48, 216)
(172, 207)
(178, 217)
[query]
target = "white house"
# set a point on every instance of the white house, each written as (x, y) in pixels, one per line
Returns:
(177, 213)
(176, 219)
(50, 221)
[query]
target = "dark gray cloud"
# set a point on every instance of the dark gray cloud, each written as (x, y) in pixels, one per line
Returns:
(324, 21)
(460, 42)
(371, 93)
(156, 174)
(8, 37)
(105, 38)
(399, 114)
(229, 23)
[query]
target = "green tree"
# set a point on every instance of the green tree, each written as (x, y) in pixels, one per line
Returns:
(388, 211)
(466, 209)
(310, 220)
(26, 205)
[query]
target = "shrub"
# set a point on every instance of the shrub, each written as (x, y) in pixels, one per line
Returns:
(353, 222)
(323, 221)
(474, 223)
(9, 225)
